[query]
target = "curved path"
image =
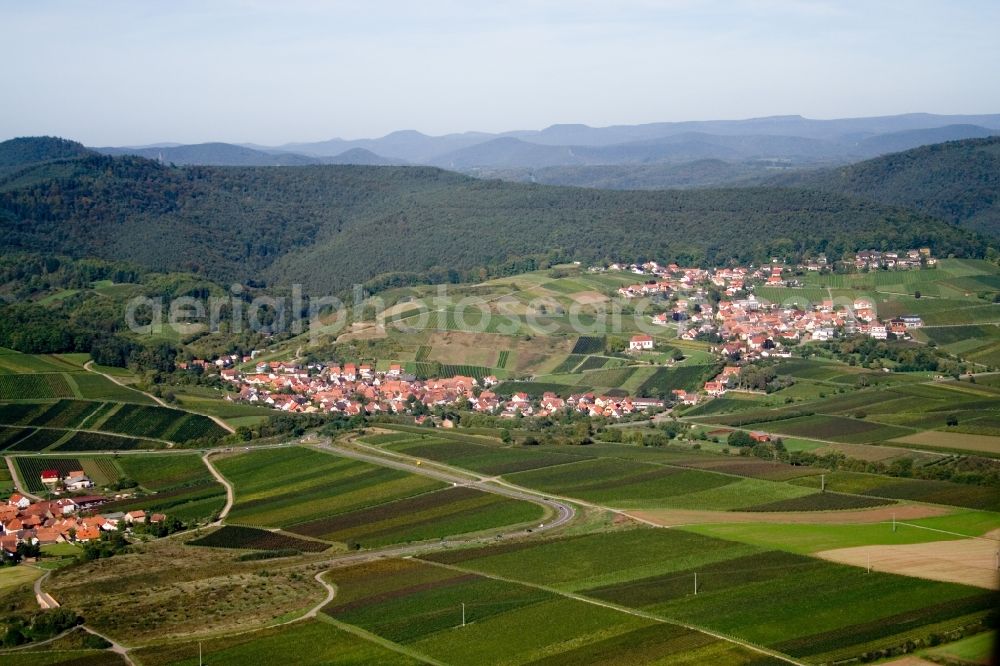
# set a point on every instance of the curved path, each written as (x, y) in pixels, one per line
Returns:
(331, 592)
(230, 496)
(44, 599)
(89, 367)
(117, 648)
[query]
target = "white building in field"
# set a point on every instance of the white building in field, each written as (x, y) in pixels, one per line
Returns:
(641, 342)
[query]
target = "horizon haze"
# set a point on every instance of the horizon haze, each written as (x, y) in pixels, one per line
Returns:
(247, 72)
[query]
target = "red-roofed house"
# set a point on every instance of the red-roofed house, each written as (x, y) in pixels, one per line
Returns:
(641, 342)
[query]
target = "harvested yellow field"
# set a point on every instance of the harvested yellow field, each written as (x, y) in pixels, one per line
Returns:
(953, 440)
(966, 561)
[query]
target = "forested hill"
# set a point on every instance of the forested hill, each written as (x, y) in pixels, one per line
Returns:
(957, 181)
(328, 227)
(17, 153)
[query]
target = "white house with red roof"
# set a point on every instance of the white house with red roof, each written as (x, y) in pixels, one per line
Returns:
(641, 342)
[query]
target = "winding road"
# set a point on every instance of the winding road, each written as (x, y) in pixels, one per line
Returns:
(230, 496)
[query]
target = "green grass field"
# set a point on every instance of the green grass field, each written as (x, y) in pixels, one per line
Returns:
(977, 649)
(805, 539)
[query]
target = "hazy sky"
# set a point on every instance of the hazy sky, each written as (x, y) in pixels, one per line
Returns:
(272, 71)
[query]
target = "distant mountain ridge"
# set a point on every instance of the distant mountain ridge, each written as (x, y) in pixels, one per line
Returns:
(793, 139)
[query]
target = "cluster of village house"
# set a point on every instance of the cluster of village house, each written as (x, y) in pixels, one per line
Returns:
(751, 329)
(354, 389)
(63, 520)
(757, 328)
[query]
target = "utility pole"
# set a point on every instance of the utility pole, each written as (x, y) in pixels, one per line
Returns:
(822, 483)
(696, 582)
(869, 562)
(199, 653)
(893, 521)
(463, 614)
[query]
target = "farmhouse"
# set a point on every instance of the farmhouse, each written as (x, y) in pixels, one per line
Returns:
(77, 480)
(715, 389)
(641, 342)
(50, 476)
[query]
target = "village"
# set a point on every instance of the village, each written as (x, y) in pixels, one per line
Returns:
(753, 327)
(70, 519)
(716, 306)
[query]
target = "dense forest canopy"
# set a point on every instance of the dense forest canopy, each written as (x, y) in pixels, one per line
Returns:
(957, 181)
(328, 227)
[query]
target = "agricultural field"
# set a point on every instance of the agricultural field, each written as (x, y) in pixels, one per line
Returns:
(920, 490)
(161, 423)
(810, 609)
(805, 539)
(13, 577)
(479, 457)
(315, 643)
(252, 538)
(56, 392)
(101, 469)
(949, 416)
(632, 485)
(977, 649)
(35, 386)
(176, 484)
(137, 425)
(419, 606)
(322, 496)
(664, 380)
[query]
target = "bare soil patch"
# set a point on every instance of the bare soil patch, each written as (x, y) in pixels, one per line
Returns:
(954, 440)
(966, 561)
(589, 297)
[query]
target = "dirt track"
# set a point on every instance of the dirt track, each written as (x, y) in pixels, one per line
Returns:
(677, 517)
(968, 561)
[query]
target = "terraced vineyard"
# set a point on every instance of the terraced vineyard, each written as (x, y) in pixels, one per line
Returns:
(177, 484)
(33, 387)
(140, 424)
(319, 495)
(665, 380)
(101, 470)
(588, 345)
(161, 423)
